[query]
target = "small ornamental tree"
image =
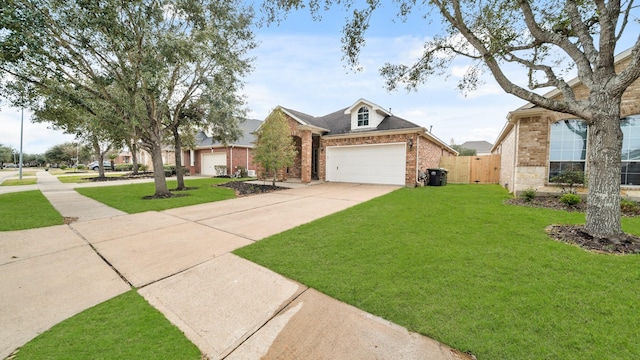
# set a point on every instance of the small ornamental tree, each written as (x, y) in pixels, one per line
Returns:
(275, 148)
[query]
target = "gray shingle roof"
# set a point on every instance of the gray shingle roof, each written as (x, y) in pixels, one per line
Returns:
(248, 127)
(340, 123)
(478, 146)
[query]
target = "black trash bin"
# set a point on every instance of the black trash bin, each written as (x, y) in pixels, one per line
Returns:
(437, 177)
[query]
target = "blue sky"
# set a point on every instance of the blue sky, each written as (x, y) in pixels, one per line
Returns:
(299, 65)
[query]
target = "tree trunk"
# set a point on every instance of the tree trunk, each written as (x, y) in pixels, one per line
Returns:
(604, 154)
(134, 157)
(158, 171)
(97, 151)
(177, 151)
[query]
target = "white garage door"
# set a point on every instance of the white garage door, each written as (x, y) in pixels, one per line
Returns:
(210, 161)
(367, 164)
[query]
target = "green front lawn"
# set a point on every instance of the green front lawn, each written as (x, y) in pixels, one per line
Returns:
(14, 182)
(27, 210)
(457, 264)
(129, 198)
(125, 327)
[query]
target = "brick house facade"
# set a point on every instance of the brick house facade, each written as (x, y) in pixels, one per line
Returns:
(209, 157)
(366, 130)
(524, 143)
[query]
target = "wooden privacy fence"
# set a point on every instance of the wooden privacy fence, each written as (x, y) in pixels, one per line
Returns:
(484, 169)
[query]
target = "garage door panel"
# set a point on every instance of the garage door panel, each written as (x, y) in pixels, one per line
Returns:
(371, 164)
(210, 161)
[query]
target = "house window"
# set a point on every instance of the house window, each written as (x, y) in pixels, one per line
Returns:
(630, 174)
(567, 147)
(363, 116)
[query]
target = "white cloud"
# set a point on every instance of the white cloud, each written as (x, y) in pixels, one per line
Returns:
(459, 71)
(37, 138)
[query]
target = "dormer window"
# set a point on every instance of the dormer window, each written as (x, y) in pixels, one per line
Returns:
(363, 116)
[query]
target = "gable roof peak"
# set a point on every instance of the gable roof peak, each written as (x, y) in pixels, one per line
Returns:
(363, 101)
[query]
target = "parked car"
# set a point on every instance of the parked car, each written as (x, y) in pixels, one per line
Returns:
(95, 165)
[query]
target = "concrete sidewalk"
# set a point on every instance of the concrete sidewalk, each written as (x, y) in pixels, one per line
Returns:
(69, 202)
(180, 261)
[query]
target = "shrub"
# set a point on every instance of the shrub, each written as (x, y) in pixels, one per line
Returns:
(124, 167)
(570, 199)
(81, 167)
(629, 206)
(220, 170)
(528, 195)
(570, 179)
(63, 167)
(172, 168)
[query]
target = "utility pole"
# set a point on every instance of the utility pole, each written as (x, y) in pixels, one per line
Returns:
(21, 131)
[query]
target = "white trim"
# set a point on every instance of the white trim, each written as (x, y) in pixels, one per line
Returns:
(373, 106)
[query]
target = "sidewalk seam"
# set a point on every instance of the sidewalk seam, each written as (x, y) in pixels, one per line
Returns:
(103, 258)
(277, 313)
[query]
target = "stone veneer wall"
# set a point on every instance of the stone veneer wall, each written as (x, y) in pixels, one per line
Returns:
(507, 160)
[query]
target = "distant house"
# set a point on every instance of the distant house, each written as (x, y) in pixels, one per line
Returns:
(481, 147)
(144, 158)
(210, 157)
(537, 144)
(363, 143)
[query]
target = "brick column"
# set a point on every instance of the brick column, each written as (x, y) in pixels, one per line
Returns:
(305, 152)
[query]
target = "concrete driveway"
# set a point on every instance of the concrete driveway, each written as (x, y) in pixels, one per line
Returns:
(180, 261)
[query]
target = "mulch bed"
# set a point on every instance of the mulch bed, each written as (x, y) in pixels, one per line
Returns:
(575, 234)
(244, 189)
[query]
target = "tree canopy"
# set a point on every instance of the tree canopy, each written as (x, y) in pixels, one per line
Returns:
(275, 149)
(144, 60)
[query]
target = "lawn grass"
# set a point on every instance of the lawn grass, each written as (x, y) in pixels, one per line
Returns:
(14, 182)
(129, 198)
(27, 210)
(125, 327)
(457, 264)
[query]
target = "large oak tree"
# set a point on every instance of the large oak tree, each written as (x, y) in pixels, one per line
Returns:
(147, 59)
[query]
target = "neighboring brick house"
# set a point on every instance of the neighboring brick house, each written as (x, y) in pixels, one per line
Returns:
(481, 147)
(363, 143)
(537, 144)
(209, 157)
(144, 158)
